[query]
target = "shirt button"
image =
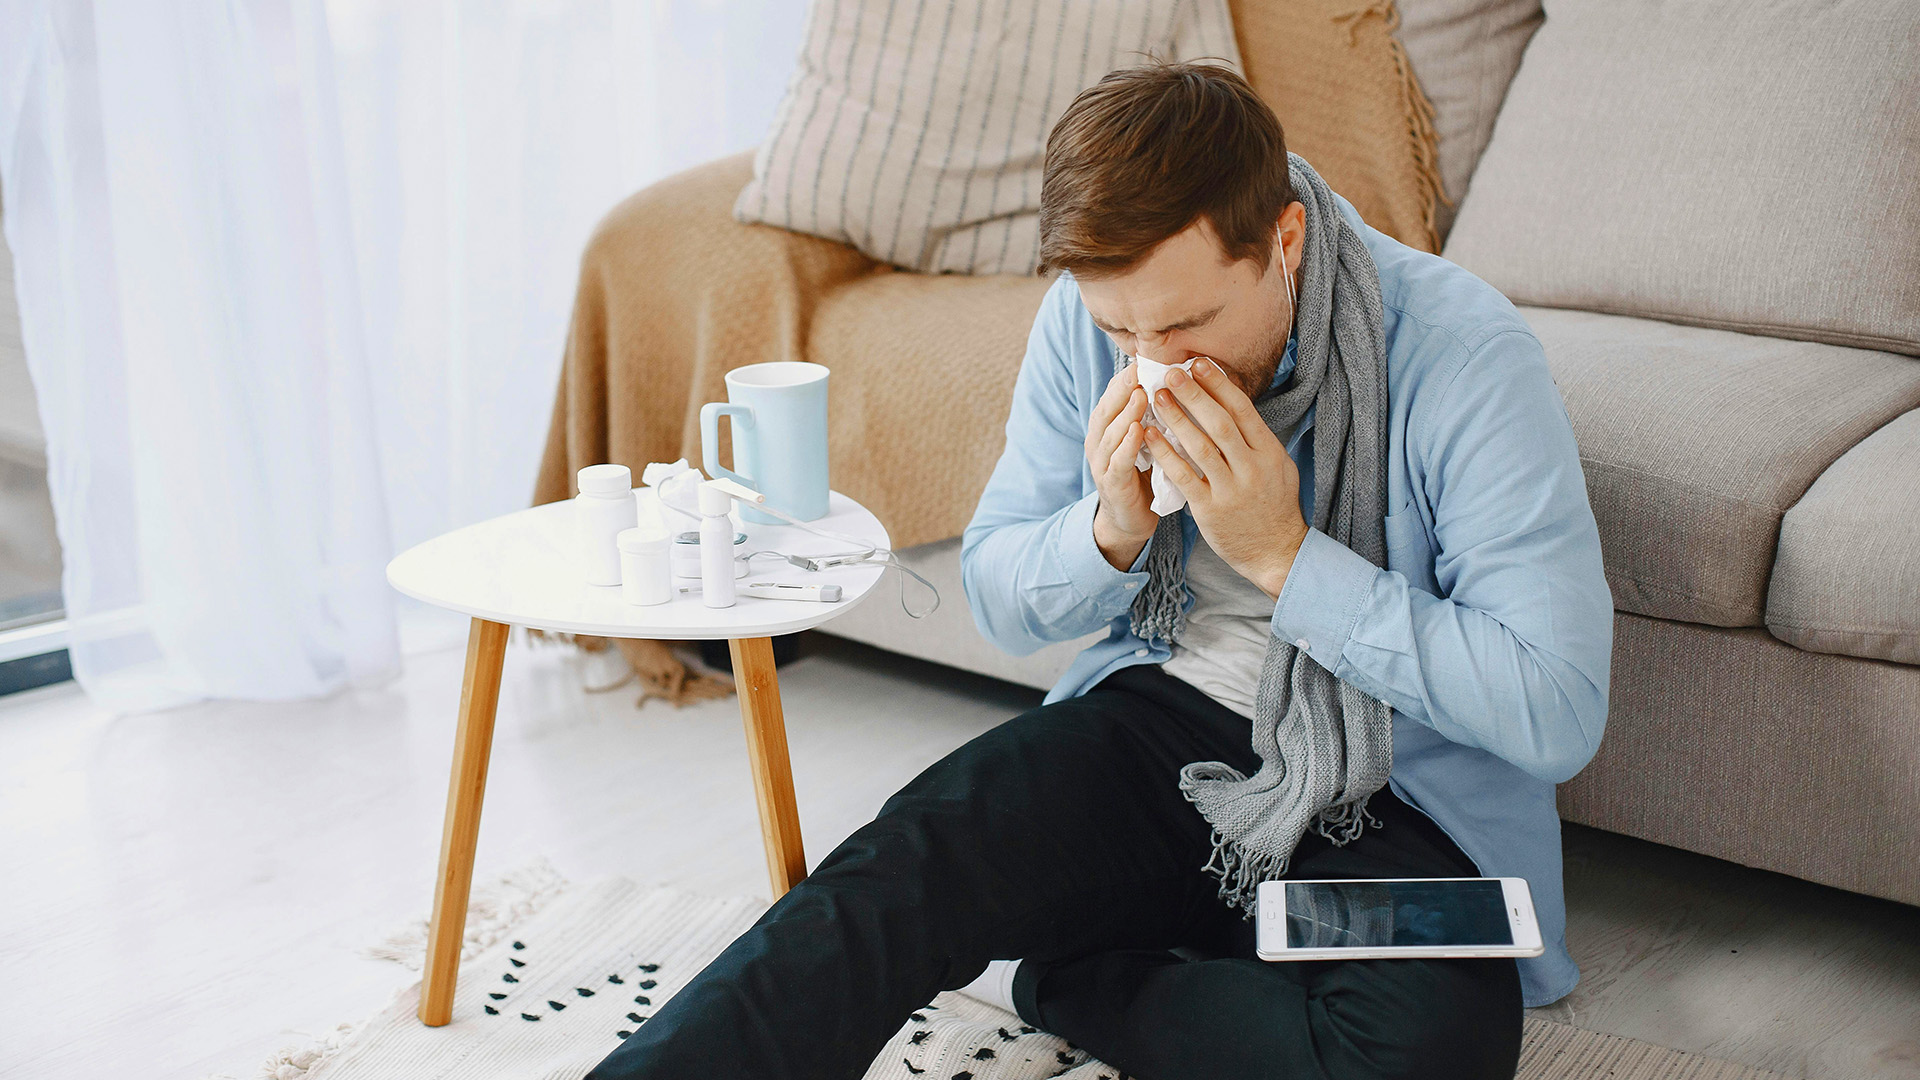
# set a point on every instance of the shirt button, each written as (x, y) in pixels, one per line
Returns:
(1300, 644)
(1139, 652)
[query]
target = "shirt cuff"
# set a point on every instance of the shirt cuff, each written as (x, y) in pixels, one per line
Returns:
(1321, 601)
(1087, 569)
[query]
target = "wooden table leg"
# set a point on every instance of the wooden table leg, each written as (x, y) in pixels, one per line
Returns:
(472, 745)
(759, 690)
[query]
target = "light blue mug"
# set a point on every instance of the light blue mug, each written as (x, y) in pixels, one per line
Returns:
(779, 414)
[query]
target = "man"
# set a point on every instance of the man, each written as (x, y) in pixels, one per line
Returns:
(1260, 677)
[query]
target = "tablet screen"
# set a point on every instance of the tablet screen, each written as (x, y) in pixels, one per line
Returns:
(1337, 914)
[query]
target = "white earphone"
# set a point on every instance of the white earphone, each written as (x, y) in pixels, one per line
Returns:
(1292, 304)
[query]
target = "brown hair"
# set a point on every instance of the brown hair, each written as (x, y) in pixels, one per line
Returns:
(1147, 151)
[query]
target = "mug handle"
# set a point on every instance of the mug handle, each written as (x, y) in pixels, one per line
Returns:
(743, 428)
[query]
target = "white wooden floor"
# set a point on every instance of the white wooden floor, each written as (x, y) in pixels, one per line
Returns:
(183, 892)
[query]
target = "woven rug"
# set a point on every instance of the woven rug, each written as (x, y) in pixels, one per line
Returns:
(555, 975)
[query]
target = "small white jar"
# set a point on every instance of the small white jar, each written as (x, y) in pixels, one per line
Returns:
(602, 510)
(645, 577)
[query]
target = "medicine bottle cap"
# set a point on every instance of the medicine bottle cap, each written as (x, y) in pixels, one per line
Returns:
(605, 480)
(714, 501)
(642, 541)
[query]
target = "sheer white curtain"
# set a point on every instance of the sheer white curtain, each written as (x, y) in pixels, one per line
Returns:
(294, 277)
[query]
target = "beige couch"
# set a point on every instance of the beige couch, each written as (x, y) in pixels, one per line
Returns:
(1759, 505)
(1754, 464)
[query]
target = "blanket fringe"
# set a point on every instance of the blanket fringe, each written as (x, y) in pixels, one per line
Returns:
(661, 673)
(495, 909)
(1422, 137)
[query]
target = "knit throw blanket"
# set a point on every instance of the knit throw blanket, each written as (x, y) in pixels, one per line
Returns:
(1324, 746)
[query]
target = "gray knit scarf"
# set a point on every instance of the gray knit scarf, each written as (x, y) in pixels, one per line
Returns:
(1324, 746)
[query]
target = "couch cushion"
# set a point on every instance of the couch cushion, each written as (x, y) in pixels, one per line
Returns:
(923, 371)
(1847, 579)
(1340, 81)
(1721, 163)
(1695, 442)
(915, 132)
(1464, 53)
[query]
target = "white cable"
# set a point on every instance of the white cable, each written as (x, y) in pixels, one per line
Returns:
(866, 552)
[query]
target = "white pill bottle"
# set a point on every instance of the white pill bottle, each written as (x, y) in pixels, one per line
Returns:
(603, 509)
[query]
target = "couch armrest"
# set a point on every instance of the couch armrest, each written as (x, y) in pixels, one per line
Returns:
(673, 293)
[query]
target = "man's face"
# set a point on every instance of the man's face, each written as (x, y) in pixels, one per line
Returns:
(1186, 300)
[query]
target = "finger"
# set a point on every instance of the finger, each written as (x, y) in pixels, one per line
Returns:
(1193, 439)
(1212, 416)
(1231, 398)
(1129, 448)
(1190, 483)
(1112, 400)
(1132, 411)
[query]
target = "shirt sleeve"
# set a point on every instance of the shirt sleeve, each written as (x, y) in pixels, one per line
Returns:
(1513, 657)
(1028, 562)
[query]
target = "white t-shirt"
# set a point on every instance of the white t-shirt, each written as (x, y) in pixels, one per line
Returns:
(1225, 639)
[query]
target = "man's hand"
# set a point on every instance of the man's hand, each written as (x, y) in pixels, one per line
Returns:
(1246, 496)
(1124, 520)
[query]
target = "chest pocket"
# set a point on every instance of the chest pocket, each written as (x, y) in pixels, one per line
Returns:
(1409, 548)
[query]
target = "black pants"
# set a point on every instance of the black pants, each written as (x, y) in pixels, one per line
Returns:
(1061, 837)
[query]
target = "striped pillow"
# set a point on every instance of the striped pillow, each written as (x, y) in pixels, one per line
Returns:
(915, 130)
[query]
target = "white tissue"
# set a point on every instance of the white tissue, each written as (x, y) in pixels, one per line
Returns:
(676, 484)
(1153, 375)
(657, 471)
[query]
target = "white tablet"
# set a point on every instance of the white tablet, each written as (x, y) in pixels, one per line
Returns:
(1388, 917)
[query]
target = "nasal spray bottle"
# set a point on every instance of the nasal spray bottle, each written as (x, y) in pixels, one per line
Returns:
(716, 545)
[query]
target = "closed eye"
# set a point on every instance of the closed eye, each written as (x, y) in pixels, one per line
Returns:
(1194, 323)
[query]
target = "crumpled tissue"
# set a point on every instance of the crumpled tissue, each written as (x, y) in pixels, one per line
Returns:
(677, 485)
(1152, 374)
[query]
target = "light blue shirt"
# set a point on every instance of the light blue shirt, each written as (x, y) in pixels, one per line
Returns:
(1489, 633)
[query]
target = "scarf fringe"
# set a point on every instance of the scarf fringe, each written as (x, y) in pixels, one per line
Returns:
(1347, 819)
(1241, 869)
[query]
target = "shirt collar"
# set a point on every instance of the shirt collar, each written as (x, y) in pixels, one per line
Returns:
(1286, 365)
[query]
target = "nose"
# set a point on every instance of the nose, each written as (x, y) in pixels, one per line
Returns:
(1155, 348)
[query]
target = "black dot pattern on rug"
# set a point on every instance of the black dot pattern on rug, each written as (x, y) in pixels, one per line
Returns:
(648, 984)
(557, 1007)
(963, 1075)
(919, 1037)
(516, 961)
(910, 1067)
(615, 979)
(491, 1011)
(642, 999)
(583, 991)
(519, 944)
(636, 1018)
(508, 977)
(528, 1016)
(983, 1054)
(649, 967)
(624, 1034)
(498, 997)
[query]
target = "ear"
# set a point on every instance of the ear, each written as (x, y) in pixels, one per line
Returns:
(1292, 228)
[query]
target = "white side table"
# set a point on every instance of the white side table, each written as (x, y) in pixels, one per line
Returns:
(520, 569)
